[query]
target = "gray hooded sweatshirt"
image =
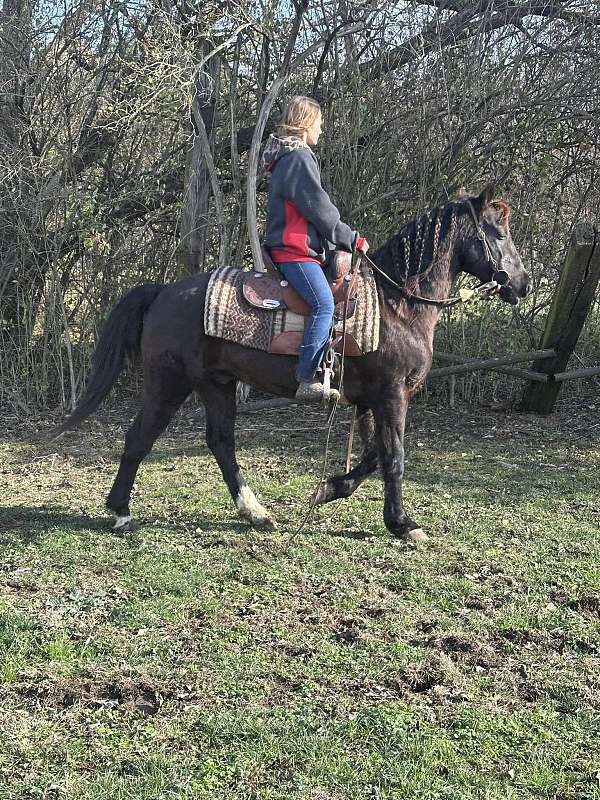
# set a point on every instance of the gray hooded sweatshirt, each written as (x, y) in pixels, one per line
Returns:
(302, 222)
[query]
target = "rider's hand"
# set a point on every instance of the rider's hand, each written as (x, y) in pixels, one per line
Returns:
(361, 244)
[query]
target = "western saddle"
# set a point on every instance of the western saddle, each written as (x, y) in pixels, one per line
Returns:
(270, 291)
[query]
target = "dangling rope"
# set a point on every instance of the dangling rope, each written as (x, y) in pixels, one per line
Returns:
(315, 494)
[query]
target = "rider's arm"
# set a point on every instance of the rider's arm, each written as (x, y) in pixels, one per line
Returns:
(303, 188)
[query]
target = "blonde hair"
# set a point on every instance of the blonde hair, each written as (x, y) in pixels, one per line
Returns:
(298, 115)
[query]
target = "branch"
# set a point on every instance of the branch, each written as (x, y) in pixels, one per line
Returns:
(553, 10)
(465, 23)
(214, 178)
(92, 147)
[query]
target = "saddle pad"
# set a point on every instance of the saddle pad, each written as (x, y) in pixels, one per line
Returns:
(227, 315)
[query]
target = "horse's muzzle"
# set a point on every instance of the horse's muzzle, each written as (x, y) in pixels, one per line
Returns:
(516, 290)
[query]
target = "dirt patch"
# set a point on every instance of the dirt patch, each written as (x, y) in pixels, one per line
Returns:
(545, 640)
(301, 652)
(426, 625)
(486, 572)
(349, 632)
(587, 604)
(434, 671)
(375, 612)
(435, 677)
(127, 695)
(461, 649)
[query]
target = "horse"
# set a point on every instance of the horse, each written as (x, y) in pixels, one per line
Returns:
(414, 271)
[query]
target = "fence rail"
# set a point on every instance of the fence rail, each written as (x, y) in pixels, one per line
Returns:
(497, 364)
(460, 365)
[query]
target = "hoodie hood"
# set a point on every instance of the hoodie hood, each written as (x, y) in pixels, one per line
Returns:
(276, 147)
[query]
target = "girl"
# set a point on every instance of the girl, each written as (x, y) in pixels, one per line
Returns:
(302, 226)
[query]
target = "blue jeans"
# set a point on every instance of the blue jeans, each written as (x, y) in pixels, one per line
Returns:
(308, 280)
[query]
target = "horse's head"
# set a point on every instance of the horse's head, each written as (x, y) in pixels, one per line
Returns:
(486, 249)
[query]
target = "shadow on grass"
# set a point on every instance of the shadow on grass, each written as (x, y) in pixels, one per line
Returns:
(297, 432)
(31, 522)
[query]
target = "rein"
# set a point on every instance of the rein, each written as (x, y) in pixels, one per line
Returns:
(445, 303)
(499, 276)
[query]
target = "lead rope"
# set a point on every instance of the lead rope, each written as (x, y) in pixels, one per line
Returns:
(313, 499)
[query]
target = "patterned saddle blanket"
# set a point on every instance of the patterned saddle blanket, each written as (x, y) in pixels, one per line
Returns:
(273, 329)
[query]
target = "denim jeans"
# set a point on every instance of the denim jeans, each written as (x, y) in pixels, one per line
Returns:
(308, 280)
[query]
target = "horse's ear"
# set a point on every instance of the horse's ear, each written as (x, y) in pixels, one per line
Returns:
(486, 197)
(462, 194)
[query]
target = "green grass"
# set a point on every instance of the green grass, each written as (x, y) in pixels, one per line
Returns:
(196, 658)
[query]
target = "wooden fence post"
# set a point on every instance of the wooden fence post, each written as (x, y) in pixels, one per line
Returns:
(570, 305)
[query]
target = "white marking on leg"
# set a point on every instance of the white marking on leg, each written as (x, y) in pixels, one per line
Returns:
(247, 503)
(249, 507)
(418, 535)
(121, 522)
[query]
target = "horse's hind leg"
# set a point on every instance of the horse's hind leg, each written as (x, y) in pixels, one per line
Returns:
(219, 401)
(345, 485)
(164, 391)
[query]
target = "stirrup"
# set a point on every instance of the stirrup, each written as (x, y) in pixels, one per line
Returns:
(329, 394)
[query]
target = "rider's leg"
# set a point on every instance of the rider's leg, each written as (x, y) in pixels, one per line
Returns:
(308, 280)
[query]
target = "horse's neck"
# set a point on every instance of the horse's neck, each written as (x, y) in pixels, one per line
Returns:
(418, 320)
(435, 281)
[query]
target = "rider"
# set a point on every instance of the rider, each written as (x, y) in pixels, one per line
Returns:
(302, 226)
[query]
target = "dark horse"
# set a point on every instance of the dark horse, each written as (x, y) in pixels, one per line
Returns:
(163, 324)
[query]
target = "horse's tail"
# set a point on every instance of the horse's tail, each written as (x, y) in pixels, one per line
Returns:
(120, 337)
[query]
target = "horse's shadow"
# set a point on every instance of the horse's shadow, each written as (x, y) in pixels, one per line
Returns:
(30, 523)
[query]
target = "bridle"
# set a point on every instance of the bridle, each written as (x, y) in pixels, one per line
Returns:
(499, 277)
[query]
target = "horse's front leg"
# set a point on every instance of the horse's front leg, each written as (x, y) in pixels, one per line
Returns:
(219, 404)
(390, 418)
(344, 485)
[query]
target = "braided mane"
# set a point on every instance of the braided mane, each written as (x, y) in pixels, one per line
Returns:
(410, 256)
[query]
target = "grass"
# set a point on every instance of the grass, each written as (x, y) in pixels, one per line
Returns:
(195, 658)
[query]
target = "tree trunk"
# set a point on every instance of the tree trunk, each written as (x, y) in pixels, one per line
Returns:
(195, 220)
(18, 273)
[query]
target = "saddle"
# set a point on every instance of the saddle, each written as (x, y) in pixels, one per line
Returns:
(269, 290)
(228, 314)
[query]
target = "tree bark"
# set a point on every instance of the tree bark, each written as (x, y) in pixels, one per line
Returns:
(195, 220)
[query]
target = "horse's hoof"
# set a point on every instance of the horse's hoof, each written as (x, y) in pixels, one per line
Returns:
(263, 523)
(411, 536)
(417, 535)
(124, 524)
(249, 508)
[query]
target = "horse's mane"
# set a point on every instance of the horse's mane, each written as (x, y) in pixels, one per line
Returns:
(408, 257)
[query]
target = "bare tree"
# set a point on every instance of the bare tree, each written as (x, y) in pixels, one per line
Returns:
(129, 139)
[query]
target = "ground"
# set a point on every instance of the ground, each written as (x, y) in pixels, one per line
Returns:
(196, 658)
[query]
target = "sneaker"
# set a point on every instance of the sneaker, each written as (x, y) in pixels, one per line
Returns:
(314, 392)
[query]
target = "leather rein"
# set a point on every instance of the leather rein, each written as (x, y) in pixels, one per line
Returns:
(499, 277)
